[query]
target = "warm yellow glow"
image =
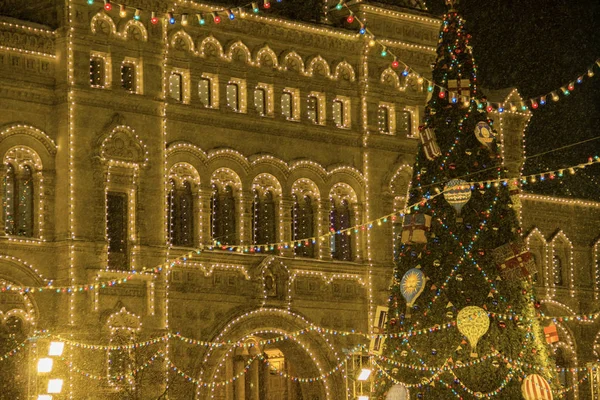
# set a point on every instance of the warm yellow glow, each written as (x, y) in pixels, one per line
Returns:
(56, 348)
(55, 385)
(363, 398)
(44, 397)
(44, 365)
(364, 374)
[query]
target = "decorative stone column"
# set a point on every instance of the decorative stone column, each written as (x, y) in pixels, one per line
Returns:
(323, 245)
(286, 232)
(239, 391)
(202, 217)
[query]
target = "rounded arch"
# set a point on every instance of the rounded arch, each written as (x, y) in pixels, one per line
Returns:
(123, 147)
(343, 192)
(32, 137)
(266, 57)
(184, 150)
(103, 23)
(319, 66)
(350, 177)
(181, 40)
(317, 354)
(182, 172)
(238, 51)
(344, 71)
(270, 164)
(293, 62)
(389, 77)
(303, 187)
(229, 158)
(265, 182)
(223, 177)
(210, 47)
(21, 157)
(399, 183)
(135, 30)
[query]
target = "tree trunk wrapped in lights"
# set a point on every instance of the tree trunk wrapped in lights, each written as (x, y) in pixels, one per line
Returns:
(428, 352)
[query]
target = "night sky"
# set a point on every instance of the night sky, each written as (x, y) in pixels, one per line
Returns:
(539, 46)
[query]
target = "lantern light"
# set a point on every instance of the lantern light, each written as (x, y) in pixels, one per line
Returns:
(184, 19)
(137, 13)
(122, 11)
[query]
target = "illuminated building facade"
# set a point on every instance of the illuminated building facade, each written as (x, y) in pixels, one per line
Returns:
(128, 145)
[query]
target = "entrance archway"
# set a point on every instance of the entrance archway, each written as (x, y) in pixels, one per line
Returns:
(280, 358)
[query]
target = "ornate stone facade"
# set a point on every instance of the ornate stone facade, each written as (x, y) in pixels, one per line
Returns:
(64, 98)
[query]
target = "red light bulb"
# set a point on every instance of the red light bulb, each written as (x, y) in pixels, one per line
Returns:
(267, 5)
(217, 19)
(489, 108)
(442, 94)
(350, 19)
(107, 6)
(395, 64)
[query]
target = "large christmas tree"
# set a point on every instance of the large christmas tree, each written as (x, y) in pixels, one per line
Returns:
(460, 263)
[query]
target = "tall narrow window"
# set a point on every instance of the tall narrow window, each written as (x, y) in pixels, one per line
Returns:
(223, 221)
(405, 123)
(303, 225)
(287, 105)
(264, 221)
(313, 109)
(338, 113)
(260, 101)
(175, 86)
(383, 119)
(128, 77)
(181, 214)
(9, 204)
(233, 96)
(205, 92)
(340, 220)
(97, 71)
(18, 197)
(116, 230)
(558, 270)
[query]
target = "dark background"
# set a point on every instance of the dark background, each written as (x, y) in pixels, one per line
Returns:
(539, 46)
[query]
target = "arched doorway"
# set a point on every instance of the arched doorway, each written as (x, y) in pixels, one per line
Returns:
(270, 359)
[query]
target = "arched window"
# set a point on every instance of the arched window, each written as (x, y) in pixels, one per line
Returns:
(263, 221)
(18, 197)
(303, 225)
(558, 270)
(340, 219)
(535, 278)
(181, 215)
(223, 220)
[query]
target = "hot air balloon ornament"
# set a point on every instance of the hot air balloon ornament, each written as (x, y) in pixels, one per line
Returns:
(535, 387)
(457, 193)
(398, 392)
(485, 134)
(473, 322)
(411, 287)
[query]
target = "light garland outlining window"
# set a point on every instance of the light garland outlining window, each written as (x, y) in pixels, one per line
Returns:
(267, 210)
(560, 255)
(226, 219)
(132, 75)
(290, 104)
(124, 327)
(540, 254)
(263, 100)
(340, 111)
(386, 118)
(237, 95)
(208, 90)
(100, 70)
(316, 108)
(596, 269)
(341, 216)
(410, 121)
(179, 85)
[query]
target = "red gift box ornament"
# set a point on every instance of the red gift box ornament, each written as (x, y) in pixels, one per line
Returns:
(514, 261)
(551, 334)
(430, 146)
(415, 227)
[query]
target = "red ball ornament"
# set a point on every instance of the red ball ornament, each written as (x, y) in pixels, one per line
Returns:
(489, 108)
(502, 324)
(537, 304)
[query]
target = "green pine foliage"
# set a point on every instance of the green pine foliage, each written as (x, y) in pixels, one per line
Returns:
(457, 259)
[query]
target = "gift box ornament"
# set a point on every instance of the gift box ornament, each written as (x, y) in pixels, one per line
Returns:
(430, 146)
(514, 261)
(551, 334)
(460, 88)
(415, 227)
